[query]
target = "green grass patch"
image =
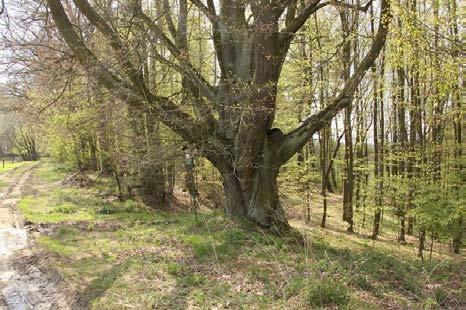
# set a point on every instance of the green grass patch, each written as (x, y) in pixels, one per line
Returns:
(69, 204)
(12, 165)
(52, 172)
(127, 254)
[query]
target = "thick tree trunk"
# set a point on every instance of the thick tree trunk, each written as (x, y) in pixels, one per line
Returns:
(256, 198)
(403, 136)
(251, 60)
(379, 129)
(260, 204)
(410, 230)
(153, 184)
(376, 224)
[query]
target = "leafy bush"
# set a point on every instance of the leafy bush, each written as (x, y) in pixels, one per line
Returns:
(327, 292)
(106, 208)
(66, 209)
(294, 286)
(130, 206)
(363, 282)
(174, 268)
(194, 279)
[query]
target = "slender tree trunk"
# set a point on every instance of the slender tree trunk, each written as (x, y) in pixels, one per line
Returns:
(459, 227)
(348, 184)
(422, 239)
(323, 166)
(401, 204)
(379, 132)
(171, 176)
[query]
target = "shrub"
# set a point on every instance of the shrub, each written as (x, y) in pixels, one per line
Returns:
(66, 209)
(363, 282)
(194, 279)
(130, 206)
(327, 292)
(106, 208)
(174, 268)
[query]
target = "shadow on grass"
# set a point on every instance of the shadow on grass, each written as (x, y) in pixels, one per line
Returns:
(100, 285)
(376, 271)
(178, 299)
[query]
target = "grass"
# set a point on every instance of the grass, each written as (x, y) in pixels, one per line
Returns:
(11, 169)
(11, 166)
(52, 172)
(327, 292)
(123, 255)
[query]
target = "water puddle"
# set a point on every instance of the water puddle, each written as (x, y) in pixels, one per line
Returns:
(12, 239)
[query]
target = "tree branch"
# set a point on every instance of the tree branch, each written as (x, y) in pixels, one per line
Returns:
(208, 12)
(217, 25)
(180, 122)
(169, 20)
(204, 87)
(295, 24)
(363, 8)
(117, 45)
(297, 138)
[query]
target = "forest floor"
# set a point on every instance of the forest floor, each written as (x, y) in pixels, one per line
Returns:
(106, 254)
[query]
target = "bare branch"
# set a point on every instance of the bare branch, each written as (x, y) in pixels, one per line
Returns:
(180, 122)
(118, 46)
(169, 19)
(217, 27)
(205, 88)
(295, 24)
(363, 8)
(208, 11)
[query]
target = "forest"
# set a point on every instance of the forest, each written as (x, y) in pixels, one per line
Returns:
(231, 154)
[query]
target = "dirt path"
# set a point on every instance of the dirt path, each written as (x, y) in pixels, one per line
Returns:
(23, 288)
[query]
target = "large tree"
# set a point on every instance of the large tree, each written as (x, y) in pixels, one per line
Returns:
(231, 120)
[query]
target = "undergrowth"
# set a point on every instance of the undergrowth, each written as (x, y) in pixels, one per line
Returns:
(122, 253)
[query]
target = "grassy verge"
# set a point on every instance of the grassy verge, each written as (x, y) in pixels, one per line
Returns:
(11, 165)
(124, 256)
(10, 171)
